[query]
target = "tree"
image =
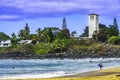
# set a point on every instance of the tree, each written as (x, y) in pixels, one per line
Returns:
(64, 25)
(63, 34)
(39, 35)
(85, 34)
(73, 33)
(66, 33)
(95, 35)
(34, 38)
(112, 31)
(103, 34)
(14, 39)
(59, 44)
(24, 33)
(114, 40)
(4, 36)
(13, 35)
(42, 48)
(27, 31)
(55, 31)
(50, 35)
(47, 35)
(21, 34)
(116, 27)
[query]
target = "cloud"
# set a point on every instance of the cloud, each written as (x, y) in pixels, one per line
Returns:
(50, 8)
(11, 17)
(8, 16)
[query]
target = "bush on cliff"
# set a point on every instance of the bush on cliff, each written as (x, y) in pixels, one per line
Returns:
(42, 48)
(114, 40)
(10, 49)
(24, 48)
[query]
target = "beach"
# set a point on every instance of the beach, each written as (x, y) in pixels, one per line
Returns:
(49, 68)
(57, 69)
(105, 74)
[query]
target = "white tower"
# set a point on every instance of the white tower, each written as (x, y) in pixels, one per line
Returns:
(93, 23)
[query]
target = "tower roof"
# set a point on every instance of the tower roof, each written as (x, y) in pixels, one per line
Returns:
(93, 14)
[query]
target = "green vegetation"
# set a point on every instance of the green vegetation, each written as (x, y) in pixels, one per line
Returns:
(4, 36)
(54, 40)
(42, 48)
(25, 48)
(114, 40)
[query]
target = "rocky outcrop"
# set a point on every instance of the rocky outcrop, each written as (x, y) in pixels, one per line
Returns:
(104, 52)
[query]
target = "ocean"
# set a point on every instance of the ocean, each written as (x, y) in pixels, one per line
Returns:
(46, 68)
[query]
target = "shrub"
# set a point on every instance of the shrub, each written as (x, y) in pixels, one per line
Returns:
(25, 48)
(114, 40)
(42, 48)
(7, 49)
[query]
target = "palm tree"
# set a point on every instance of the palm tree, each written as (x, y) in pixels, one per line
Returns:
(59, 44)
(39, 34)
(13, 35)
(14, 39)
(47, 32)
(21, 34)
(24, 33)
(34, 38)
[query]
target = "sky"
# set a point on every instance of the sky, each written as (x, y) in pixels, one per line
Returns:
(14, 14)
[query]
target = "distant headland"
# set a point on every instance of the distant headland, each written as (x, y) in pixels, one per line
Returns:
(98, 40)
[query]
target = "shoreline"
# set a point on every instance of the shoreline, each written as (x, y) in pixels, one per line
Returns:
(75, 75)
(90, 74)
(19, 56)
(110, 72)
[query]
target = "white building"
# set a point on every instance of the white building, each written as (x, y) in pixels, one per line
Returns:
(5, 43)
(25, 42)
(93, 23)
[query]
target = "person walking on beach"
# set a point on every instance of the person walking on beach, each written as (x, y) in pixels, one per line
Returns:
(100, 66)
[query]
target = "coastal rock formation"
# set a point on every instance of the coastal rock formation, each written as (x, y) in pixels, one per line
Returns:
(104, 52)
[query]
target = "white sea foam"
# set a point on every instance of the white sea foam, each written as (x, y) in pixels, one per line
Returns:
(51, 68)
(47, 75)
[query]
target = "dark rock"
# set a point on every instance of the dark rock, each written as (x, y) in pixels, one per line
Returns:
(108, 52)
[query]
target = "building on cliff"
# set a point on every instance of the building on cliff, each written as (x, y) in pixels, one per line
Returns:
(93, 23)
(5, 43)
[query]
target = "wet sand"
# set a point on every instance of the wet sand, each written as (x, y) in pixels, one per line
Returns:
(105, 74)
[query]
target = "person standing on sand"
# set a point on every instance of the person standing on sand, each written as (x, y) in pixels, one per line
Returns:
(100, 66)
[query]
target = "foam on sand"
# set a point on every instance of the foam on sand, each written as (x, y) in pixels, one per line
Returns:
(103, 75)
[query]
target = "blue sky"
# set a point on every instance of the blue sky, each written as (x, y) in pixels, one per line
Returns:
(49, 13)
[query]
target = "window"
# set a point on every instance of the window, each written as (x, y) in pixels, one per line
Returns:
(5, 44)
(91, 18)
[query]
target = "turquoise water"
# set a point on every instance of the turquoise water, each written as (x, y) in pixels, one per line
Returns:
(46, 68)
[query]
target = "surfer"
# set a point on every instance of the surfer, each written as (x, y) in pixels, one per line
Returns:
(100, 66)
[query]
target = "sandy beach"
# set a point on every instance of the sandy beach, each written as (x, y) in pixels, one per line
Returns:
(105, 74)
